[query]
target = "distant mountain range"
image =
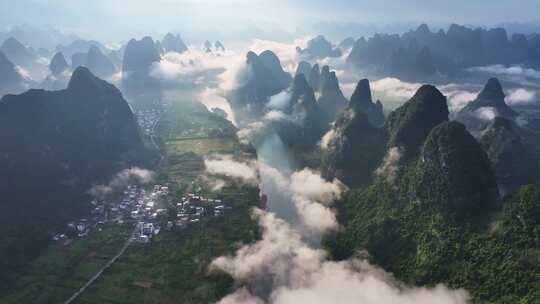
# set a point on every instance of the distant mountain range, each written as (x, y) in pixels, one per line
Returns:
(422, 53)
(172, 43)
(318, 48)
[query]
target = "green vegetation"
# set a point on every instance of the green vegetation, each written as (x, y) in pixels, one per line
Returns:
(356, 150)
(66, 266)
(202, 146)
(438, 221)
(437, 218)
(409, 125)
(174, 267)
(510, 159)
(495, 257)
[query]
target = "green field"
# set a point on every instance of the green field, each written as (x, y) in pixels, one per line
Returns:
(201, 146)
(174, 268)
(63, 269)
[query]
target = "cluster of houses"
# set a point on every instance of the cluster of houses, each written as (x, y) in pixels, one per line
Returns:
(193, 208)
(136, 204)
(145, 231)
(147, 119)
(143, 207)
(148, 215)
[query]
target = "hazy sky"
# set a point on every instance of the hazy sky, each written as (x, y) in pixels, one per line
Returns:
(119, 19)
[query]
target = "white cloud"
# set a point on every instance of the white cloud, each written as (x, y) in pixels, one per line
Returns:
(310, 185)
(213, 98)
(283, 269)
(337, 63)
(515, 73)
(248, 133)
(235, 74)
(458, 95)
(315, 218)
(241, 296)
(389, 167)
(226, 70)
(225, 165)
(24, 73)
(275, 115)
(395, 88)
(328, 138)
(312, 197)
(286, 52)
(192, 61)
(515, 70)
(215, 73)
(256, 130)
(457, 100)
(486, 113)
(279, 101)
(521, 96)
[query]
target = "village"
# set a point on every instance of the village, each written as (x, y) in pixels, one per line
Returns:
(147, 120)
(148, 210)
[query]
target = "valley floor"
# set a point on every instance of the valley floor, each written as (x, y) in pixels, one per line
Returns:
(173, 266)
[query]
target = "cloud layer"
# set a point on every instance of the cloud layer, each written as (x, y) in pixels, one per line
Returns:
(283, 269)
(521, 97)
(225, 165)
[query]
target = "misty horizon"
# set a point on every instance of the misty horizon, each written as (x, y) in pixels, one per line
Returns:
(114, 21)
